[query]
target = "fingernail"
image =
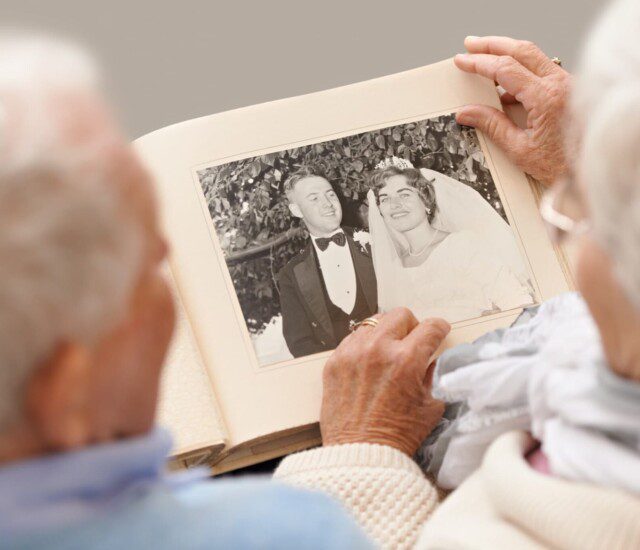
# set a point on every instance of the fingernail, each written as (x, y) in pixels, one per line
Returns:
(471, 37)
(464, 118)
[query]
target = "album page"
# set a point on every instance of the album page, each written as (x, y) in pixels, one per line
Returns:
(187, 405)
(291, 220)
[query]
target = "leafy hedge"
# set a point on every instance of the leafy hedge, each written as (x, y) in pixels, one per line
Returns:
(249, 208)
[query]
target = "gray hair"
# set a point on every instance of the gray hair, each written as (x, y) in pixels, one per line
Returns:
(68, 256)
(606, 108)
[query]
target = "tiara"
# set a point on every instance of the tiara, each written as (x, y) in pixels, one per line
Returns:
(396, 162)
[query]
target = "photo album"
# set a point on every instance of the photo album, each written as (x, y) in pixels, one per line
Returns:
(291, 221)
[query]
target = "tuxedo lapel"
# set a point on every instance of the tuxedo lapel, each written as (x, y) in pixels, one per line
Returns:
(308, 278)
(363, 266)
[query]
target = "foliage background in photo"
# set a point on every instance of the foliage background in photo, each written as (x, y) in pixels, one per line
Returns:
(250, 212)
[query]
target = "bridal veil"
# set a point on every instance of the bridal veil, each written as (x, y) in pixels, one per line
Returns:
(459, 208)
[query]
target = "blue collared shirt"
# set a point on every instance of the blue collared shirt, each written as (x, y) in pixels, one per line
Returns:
(118, 496)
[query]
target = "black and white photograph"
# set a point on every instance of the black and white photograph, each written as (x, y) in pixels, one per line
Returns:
(319, 237)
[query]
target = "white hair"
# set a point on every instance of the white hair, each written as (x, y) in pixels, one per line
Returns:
(606, 106)
(68, 256)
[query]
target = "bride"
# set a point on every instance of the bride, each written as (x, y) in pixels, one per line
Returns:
(439, 248)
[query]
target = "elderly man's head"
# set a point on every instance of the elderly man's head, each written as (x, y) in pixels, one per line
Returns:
(606, 119)
(85, 317)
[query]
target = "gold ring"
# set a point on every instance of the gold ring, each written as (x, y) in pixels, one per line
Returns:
(557, 61)
(369, 322)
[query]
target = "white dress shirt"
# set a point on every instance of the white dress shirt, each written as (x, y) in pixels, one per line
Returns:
(338, 273)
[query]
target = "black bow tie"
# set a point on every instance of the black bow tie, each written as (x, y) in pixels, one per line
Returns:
(338, 238)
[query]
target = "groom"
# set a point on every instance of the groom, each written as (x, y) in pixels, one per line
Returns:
(331, 282)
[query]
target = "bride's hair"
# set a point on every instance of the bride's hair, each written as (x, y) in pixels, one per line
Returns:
(414, 177)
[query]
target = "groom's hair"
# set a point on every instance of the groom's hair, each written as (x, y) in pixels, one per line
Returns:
(414, 178)
(304, 171)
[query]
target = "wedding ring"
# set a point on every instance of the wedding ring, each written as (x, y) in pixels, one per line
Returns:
(369, 322)
(557, 61)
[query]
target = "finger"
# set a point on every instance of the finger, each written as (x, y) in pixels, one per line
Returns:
(523, 51)
(426, 337)
(505, 70)
(496, 126)
(397, 323)
(428, 376)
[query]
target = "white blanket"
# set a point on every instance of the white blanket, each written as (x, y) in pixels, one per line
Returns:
(547, 374)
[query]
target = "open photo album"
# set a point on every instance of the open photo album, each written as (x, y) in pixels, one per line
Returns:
(291, 221)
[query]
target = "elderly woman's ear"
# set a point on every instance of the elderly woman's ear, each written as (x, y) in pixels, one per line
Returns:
(542, 87)
(617, 317)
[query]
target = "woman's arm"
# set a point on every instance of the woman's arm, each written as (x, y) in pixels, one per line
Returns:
(384, 490)
(500, 285)
(376, 410)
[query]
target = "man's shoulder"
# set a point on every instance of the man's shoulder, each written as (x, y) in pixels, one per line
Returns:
(287, 270)
(280, 515)
(219, 514)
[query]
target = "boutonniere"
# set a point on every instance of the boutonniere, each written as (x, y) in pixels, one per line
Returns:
(363, 239)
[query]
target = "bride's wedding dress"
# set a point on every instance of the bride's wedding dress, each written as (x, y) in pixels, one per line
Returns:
(461, 279)
(476, 269)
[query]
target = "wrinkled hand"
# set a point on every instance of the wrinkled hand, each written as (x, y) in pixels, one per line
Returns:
(377, 384)
(529, 77)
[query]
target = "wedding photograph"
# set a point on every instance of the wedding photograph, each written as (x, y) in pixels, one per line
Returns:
(317, 238)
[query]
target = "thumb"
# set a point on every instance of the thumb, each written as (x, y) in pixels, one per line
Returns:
(428, 376)
(496, 126)
(426, 338)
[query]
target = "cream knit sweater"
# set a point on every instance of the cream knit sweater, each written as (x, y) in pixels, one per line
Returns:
(505, 504)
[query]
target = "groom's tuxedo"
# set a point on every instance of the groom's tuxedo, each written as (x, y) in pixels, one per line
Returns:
(311, 321)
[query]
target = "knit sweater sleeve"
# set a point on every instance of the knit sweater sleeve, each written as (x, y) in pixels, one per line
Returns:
(382, 487)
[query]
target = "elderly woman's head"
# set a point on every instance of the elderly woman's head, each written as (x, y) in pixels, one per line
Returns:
(606, 119)
(84, 315)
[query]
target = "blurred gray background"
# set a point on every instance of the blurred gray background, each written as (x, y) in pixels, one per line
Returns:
(168, 61)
